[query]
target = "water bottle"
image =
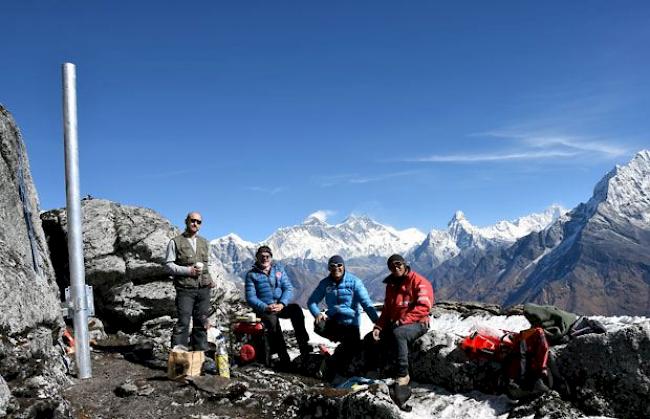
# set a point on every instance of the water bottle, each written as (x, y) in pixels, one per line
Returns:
(222, 357)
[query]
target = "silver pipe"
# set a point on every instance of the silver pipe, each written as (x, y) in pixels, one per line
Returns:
(75, 241)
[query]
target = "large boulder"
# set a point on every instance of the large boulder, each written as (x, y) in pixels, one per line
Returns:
(124, 254)
(28, 290)
(599, 374)
(609, 374)
(30, 320)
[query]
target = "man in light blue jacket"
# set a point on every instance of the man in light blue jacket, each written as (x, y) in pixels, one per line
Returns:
(343, 293)
(268, 292)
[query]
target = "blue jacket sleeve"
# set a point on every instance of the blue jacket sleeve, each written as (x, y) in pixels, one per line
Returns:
(365, 301)
(287, 288)
(251, 295)
(315, 298)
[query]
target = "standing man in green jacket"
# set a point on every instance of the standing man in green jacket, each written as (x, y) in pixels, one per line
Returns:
(187, 262)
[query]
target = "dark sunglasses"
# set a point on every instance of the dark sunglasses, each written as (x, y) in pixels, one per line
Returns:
(194, 220)
(264, 256)
(335, 265)
(396, 265)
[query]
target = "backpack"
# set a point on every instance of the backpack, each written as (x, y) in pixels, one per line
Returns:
(488, 344)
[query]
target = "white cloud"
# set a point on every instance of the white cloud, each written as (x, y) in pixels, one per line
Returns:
(360, 179)
(532, 146)
(270, 191)
(321, 215)
(491, 157)
(551, 141)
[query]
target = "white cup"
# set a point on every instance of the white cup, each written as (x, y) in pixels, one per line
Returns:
(198, 266)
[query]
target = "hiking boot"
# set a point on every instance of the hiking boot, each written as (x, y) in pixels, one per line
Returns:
(400, 395)
(403, 381)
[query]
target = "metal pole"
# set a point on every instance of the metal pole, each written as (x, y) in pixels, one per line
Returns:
(75, 243)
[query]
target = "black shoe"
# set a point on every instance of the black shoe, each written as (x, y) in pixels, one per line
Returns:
(400, 395)
(283, 366)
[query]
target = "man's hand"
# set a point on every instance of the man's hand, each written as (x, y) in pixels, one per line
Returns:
(194, 273)
(274, 308)
(375, 334)
(322, 317)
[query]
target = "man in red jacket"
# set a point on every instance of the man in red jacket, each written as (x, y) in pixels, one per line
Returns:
(405, 317)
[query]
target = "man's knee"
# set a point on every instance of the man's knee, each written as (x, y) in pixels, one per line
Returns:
(401, 332)
(295, 312)
(270, 321)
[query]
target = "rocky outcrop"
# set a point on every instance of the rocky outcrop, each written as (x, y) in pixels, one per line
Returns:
(599, 374)
(124, 252)
(30, 320)
(375, 402)
(609, 374)
(28, 292)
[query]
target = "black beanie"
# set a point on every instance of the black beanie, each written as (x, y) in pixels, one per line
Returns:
(395, 258)
(336, 259)
(264, 249)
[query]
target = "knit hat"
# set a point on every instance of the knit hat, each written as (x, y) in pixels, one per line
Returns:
(336, 259)
(264, 249)
(395, 258)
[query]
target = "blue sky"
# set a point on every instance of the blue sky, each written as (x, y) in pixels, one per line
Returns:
(260, 113)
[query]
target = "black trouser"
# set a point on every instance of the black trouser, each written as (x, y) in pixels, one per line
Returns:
(399, 338)
(191, 303)
(274, 331)
(350, 345)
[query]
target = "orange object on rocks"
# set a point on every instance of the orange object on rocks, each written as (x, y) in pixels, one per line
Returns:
(68, 339)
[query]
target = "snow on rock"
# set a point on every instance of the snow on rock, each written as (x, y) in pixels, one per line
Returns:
(604, 376)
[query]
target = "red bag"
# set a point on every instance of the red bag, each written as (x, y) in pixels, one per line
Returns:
(488, 344)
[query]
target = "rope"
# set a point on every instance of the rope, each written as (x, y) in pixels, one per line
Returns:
(27, 212)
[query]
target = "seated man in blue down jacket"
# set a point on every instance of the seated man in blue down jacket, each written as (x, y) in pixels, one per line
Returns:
(268, 292)
(343, 293)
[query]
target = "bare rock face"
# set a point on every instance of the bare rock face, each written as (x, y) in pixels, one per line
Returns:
(28, 291)
(124, 252)
(609, 374)
(30, 320)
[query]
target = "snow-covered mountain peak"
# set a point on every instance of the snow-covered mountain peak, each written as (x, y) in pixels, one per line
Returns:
(464, 234)
(458, 216)
(317, 218)
(234, 239)
(356, 236)
(625, 190)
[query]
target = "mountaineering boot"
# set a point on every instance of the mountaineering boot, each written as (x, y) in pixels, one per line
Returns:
(400, 395)
(403, 381)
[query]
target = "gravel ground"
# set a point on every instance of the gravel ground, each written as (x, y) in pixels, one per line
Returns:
(122, 389)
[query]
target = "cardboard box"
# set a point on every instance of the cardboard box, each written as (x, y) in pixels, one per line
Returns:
(184, 363)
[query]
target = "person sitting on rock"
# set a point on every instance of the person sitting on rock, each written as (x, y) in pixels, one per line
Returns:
(405, 316)
(268, 292)
(343, 293)
(187, 262)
